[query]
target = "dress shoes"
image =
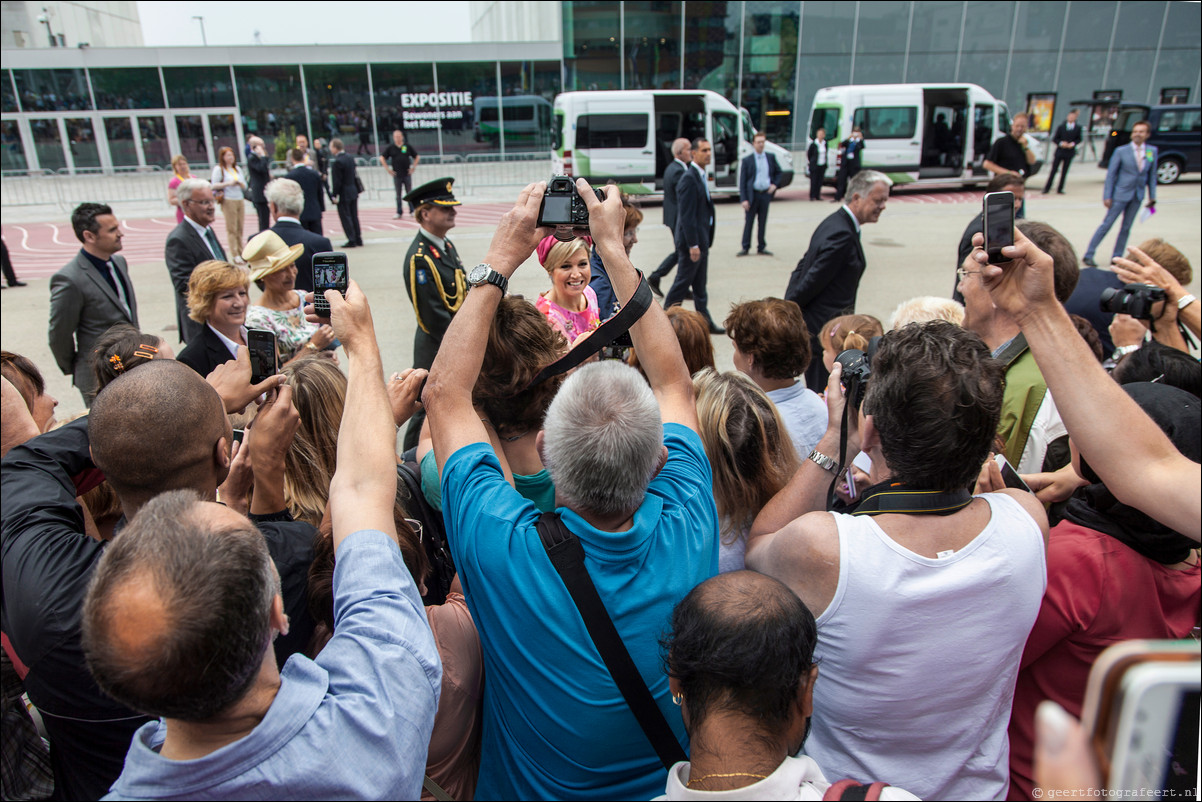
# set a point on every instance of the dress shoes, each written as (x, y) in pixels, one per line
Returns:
(16, 284)
(1089, 262)
(653, 283)
(764, 252)
(743, 252)
(349, 245)
(715, 328)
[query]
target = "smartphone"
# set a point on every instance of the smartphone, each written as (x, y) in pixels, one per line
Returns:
(999, 224)
(263, 360)
(1009, 475)
(1141, 710)
(330, 272)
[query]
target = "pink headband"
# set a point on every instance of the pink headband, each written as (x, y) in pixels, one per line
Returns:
(549, 242)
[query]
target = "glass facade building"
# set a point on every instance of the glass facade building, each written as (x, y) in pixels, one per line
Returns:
(101, 109)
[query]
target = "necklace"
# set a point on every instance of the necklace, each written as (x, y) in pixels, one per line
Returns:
(730, 774)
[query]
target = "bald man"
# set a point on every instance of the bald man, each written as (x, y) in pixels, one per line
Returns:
(682, 154)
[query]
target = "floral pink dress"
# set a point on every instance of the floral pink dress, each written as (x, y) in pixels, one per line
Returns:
(568, 323)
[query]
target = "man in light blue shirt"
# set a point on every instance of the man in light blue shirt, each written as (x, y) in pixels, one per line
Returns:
(631, 482)
(185, 603)
(758, 177)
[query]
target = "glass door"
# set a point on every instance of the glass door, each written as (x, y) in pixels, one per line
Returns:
(48, 144)
(81, 137)
(156, 148)
(192, 140)
(223, 133)
(119, 131)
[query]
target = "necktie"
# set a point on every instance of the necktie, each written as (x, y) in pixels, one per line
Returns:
(1139, 158)
(119, 287)
(214, 245)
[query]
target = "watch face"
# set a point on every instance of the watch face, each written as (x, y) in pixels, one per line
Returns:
(478, 274)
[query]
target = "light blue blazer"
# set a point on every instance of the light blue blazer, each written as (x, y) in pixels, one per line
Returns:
(1124, 181)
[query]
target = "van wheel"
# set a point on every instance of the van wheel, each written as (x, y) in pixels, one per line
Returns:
(1168, 172)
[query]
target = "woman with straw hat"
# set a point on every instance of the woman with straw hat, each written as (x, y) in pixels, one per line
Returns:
(280, 309)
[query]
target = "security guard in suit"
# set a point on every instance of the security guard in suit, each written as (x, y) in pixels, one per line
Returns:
(434, 276)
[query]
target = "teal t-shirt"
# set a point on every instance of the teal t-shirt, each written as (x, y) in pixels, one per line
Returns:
(555, 724)
(537, 487)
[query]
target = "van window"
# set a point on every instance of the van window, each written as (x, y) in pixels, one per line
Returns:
(488, 114)
(887, 122)
(982, 130)
(611, 131)
(1180, 121)
(826, 119)
(726, 138)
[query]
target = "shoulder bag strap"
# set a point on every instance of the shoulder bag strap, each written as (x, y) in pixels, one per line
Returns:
(435, 790)
(567, 555)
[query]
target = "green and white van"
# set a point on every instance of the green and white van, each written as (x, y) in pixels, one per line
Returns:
(626, 136)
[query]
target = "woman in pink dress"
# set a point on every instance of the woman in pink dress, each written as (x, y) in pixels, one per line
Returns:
(570, 306)
(180, 166)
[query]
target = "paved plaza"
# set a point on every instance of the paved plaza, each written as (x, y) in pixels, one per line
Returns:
(911, 251)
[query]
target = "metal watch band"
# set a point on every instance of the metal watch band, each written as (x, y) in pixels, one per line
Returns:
(823, 461)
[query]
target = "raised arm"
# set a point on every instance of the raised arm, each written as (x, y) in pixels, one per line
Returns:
(1134, 458)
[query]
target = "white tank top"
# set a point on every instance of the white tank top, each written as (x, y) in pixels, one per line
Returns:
(918, 657)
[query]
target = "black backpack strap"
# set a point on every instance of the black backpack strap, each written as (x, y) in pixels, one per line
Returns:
(567, 555)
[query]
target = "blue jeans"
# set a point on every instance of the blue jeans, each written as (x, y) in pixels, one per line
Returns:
(1128, 210)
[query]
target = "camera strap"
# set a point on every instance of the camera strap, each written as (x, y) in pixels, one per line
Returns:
(604, 335)
(892, 496)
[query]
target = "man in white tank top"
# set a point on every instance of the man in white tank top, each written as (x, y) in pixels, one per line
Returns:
(925, 595)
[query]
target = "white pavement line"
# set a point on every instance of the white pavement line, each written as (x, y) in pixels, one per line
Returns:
(54, 227)
(164, 221)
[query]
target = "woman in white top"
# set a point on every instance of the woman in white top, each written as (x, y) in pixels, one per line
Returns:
(231, 185)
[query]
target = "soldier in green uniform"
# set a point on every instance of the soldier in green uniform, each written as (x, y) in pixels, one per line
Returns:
(434, 277)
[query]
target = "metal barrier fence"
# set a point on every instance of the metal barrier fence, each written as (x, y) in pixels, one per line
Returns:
(65, 191)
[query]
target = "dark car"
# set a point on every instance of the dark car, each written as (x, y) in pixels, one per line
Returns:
(1176, 133)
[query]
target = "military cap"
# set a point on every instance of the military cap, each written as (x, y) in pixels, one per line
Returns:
(437, 192)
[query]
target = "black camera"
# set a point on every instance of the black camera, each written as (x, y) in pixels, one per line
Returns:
(857, 368)
(563, 207)
(1133, 299)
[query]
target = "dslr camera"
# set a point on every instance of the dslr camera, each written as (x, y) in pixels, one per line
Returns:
(563, 208)
(857, 368)
(1133, 299)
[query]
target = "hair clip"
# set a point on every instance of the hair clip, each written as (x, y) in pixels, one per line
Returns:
(146, 351)
(115, 361)
(834, 329)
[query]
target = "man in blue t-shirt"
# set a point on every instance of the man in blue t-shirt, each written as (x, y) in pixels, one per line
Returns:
(631, 482)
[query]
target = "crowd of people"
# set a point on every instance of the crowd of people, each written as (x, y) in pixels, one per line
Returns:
(597, 568)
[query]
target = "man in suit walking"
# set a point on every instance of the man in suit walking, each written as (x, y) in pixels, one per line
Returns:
(287, 201)
(758, 177)
(1067, 137)
(682, 155)
(314, 190)
(852, 150)
(694, 234)
(344, 188)
(90, 295)
(818, 156)
(191, 242)
(1132, 171)
(258, 169)
(825, 281)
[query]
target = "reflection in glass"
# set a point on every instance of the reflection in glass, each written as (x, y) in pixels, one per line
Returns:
(338, 101)
(652, 44)
(817, 72)
(7, 92)
(155, 147)
(590, 45)
(224, 134)
(399, 105)
(936, 29)
(81, 138)
(48, 144)
(192, 139)
(527, 111)
(198, 87)
(52, 90)
(711, 48)
(120, 135)
(133, 88)
(13, 155)
(770, 67)
(272, 104)
(465, 87)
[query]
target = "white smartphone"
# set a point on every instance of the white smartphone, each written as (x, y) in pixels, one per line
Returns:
(1009, 475)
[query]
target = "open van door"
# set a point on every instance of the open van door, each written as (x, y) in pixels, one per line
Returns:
(614, 139)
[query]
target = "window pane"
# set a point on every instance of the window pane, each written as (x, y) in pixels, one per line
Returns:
(611, 131)
(198, 87)
(192, 140)
(1181, 30)
(590, 45)
(7, 92)
(711, 50)
(937, 30)
(827, 28)
(882, 29)
(52, 90)
(1091, 26)
(48, 144)
(14, 151)
(652, 44)
(82, 138)
(136, 88)
(817, 72)
(270, 97)
(770, 67)
(462, 88)
(224, 134)
(400, 89)
(892, 122)
(155, 146)
(338, 101)
(120, 135)
(527, 112)
(936, 67)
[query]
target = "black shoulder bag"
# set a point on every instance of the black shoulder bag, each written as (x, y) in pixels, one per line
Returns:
(567, 555)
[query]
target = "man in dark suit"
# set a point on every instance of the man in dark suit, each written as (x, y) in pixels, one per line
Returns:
(825, 282)
(694, 234)
(191, 242)
(819, 156)
(287, 201)
(90, 295)
(682, 154)
(758, 177)
(258, 168)
(344, 188)
(1067, 137)
(851, 150)
(310, 183)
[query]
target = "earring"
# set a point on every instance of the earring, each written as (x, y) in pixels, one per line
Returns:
(677, 698)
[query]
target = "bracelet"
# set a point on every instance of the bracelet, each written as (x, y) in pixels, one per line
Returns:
(824, 462)
(1185, 301)
(311, 346)
(1123, 350)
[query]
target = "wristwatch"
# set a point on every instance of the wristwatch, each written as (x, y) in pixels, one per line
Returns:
(1185, 301)
(823, 461)
(484, 274)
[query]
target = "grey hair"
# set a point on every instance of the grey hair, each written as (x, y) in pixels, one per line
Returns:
(189, 186)
(602, 439)
(924, 308)
(216, 582)
(862, 182)
(287, 196)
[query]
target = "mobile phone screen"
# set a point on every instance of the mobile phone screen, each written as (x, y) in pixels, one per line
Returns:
(999, 224)
(1009, 475)
(261, 346)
